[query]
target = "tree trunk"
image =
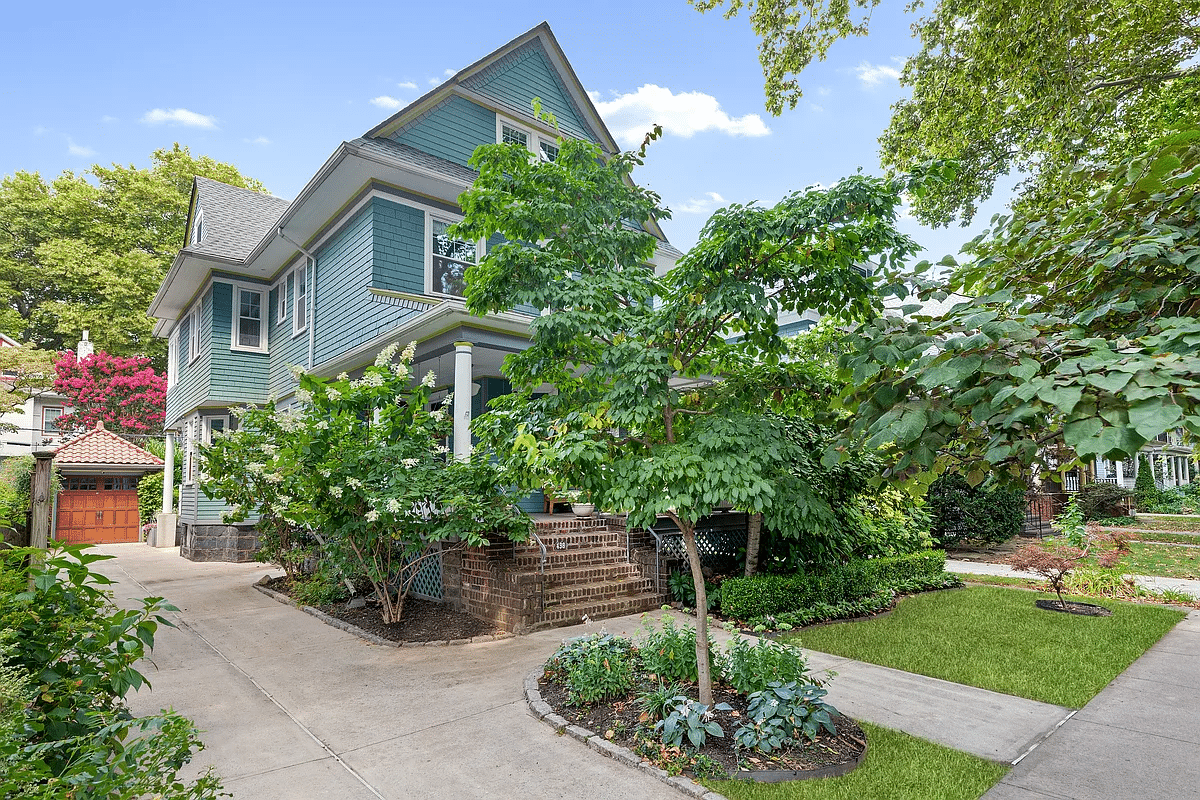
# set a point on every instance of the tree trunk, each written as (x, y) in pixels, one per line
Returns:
(753, 534)
(703, 667)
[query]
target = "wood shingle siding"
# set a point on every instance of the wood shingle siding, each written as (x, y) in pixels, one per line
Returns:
(451, 130)
(515, 80)
(399, 251)
(347, 316)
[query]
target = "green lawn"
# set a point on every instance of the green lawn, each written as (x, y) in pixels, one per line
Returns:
(996, 639)
(1169, 561)
(1149, 523)
(898, 767)
(1000, 580)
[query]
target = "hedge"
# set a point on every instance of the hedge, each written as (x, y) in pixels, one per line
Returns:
(960, 511)
(744, 598)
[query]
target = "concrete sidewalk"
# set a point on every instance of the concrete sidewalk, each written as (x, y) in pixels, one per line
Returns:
(1139, 738)
(1184, 585)
(292, 707)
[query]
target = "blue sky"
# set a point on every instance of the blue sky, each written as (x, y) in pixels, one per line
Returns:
(274, 87)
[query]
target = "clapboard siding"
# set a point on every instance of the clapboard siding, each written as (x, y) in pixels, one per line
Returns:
(287, 349)
(399, 247)
(237, 376)
(192, 380)
(452, 130)
(521, 76)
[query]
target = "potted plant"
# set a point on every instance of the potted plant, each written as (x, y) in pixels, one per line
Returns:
(580, 503)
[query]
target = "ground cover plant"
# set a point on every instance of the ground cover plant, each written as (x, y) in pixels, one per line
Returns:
(769, 710)
(68, 657)
(995, 638)
(899, 767)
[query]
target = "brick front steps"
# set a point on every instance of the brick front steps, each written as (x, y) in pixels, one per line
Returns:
(589, 569)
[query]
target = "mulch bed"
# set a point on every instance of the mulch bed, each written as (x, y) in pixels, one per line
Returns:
(1082, 609)
(618, 721)
(422, 620)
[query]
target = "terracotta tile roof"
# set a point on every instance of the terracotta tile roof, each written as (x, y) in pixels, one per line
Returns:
(102, 446)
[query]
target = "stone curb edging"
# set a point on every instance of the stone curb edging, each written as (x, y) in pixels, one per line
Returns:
(542, 710)
(370, 637)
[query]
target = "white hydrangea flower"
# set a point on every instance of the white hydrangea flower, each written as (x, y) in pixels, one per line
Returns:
(272, 399)
(386, 354)
(304, 395)
(239, 411)
(354, 483)
(255, 469)
(410, 352)
(336, 491)
(322, 425)
(343, 376)
(410, 463)
(372, 379)
(333, 394)
(441, 448)
(285, 499)
(429, 380)
(400, 370)
(296, 371)
(269, 448)
(438, 414)
(274, 477)
(393, 505)
(372, 515)
(324, 473)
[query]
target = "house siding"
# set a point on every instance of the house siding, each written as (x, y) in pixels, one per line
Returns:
(237, 376)
(451, 131)
(347, 314)
(398, 247)
(286, 349)
(515, 80)
(191, 384)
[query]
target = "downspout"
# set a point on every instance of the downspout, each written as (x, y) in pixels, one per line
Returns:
(312, 294)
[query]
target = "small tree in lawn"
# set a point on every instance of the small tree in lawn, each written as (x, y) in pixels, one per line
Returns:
(126, 394)
(621, 342)
(1056, 561)
(362, 464)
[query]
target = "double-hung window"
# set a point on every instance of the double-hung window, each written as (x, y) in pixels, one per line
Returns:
(299, 283)
(50, 417)
(539, 144)
(249, 333)
(451, 258)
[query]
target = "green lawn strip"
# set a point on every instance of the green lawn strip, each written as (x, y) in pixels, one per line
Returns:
(898, 767)
(999, 580)
(997, 639)
(1165, 560)
(1142, 522)
(1162, 537)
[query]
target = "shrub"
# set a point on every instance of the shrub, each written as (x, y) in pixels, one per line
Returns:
(594, 667)
(744, 598)
(320, 588)
(68, 639)
(1055, 562)
(1145, 491)
(684, 590)
(690, 719)
(750, 668)
(1102, 500)
(960, 511)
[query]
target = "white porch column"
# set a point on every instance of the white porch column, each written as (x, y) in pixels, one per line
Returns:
(1101, 469)
(1120, 465)
(168, 497)
(462, 400)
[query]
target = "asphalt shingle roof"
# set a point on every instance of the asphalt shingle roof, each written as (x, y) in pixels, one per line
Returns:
(102, 446)
(235, 220)
(411, 156)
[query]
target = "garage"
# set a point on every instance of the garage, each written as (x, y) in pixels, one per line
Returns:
(98, 502)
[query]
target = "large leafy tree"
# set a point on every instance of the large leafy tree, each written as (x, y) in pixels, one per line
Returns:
(126, 394)
(1015, 85)
(635, 417)
(1080, 328)
(90, 250)
(24, 371)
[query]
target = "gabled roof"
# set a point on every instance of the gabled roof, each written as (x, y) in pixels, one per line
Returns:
(412, 157)
(235, 219)
(102, 447)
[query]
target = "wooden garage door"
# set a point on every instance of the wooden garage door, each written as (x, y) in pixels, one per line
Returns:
(97, 510)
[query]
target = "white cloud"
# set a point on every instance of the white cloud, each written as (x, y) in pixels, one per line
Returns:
(434, 81)
(823, 91)
(701, 205)
(257, 140)
(108, 120)
(450, 73)
(816, 109)
(630, 116)
(407, 85)
(874, 74)
(179, 116)
(79, 150)
(386, 101)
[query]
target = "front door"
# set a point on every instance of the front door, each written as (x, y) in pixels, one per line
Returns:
(97, 509)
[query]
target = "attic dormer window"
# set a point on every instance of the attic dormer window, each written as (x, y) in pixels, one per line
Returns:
(511, 135)
(198, 229)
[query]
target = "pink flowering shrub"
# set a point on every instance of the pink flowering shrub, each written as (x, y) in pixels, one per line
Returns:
(125, 393)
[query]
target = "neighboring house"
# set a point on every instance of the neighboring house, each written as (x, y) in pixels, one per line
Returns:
(98, 501)
(1170, 459)
(358, 260)
(33, 426)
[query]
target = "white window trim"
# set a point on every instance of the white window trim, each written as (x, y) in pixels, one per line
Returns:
(60, 411)
(235, 323)
(189, 453)
(198, 231)
(208, 421)
(300, 314)
(448, 219)
(172, 357)
(533, 136)
(194, 332)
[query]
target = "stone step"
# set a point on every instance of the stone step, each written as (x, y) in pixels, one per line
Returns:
(593, 592)
(572, 614)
